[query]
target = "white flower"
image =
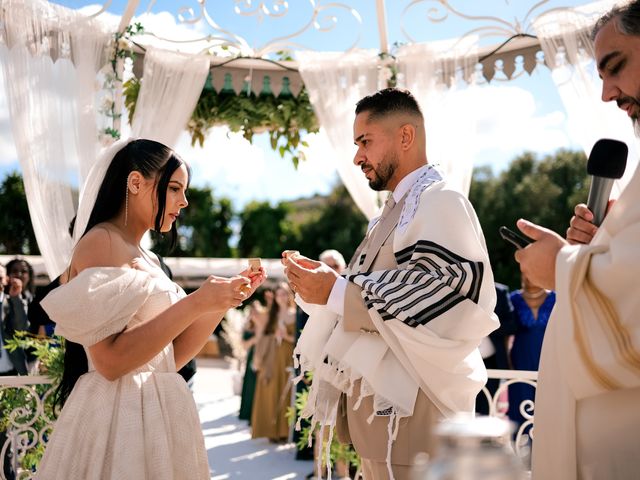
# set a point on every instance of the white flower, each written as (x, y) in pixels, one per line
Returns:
(385, 74)
(107, 104)
(124, 44)
(106, 139)
(110, 50)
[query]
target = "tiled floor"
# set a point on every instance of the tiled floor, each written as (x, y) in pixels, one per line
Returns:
(232, 453)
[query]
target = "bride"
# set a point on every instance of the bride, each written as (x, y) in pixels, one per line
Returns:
(127, 414)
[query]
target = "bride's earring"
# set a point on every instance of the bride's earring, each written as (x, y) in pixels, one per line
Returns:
(126, 204)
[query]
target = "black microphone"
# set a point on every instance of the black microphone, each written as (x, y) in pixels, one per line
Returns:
(606, 163)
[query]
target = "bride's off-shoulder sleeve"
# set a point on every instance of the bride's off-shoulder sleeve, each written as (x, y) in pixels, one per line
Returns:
(99, 302)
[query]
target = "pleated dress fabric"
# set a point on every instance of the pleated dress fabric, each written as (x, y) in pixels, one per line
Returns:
(143, 425)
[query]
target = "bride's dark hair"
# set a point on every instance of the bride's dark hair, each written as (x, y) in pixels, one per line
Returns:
(153, 160)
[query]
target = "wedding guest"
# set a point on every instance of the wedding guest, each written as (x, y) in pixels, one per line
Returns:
(39, 322)
(254, 327)
(273, 361)
(494, 347)
(18, 295)
(532, 308)
(6, 365)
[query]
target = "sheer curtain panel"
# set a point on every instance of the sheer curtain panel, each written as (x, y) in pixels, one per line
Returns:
(171, 85)
(335, 82)
(441, 77)
(50, 56)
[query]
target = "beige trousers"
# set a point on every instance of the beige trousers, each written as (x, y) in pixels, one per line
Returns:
(378, 471)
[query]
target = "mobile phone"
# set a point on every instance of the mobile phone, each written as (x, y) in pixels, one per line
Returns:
(516, 239)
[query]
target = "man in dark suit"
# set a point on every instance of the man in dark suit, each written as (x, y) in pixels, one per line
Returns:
(13, 318)
(495, 355)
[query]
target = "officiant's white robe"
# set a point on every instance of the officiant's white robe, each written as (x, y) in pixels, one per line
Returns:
(587, 411)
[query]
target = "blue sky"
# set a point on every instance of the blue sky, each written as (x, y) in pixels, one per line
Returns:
(524, 114)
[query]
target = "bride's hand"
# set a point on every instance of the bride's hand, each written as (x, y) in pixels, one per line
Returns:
(221, 294)
(256, 278)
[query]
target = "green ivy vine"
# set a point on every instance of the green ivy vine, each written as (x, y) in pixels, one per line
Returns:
(284, 117)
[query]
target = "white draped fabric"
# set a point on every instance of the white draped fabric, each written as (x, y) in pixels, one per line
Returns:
(569, 51)
(335, 82)
(434, 73)
(50, 56)
(171, 86)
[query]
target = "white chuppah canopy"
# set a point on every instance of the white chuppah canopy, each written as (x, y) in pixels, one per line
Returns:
(51, 57)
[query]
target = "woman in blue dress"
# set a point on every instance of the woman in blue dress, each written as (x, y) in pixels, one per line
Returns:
(532, 309)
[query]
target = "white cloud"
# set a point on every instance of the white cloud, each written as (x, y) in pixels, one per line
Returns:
(243, 171)
(166, 26)
(509, 124)
(162, 24)
(225, 162)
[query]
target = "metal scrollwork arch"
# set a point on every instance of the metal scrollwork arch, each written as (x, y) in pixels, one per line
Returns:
(323, 18)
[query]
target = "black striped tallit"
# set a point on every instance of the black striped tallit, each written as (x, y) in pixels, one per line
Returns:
(430, 280)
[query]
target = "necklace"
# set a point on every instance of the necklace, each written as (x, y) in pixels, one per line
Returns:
(538, 294)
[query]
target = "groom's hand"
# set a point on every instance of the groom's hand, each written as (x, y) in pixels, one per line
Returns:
(310, 279)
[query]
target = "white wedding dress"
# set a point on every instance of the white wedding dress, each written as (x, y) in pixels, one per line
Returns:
(143, 425)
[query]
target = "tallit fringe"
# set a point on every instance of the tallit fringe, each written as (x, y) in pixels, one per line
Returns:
(341, 378)
(391, 432)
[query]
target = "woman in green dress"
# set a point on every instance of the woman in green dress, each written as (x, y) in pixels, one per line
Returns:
(253, 330)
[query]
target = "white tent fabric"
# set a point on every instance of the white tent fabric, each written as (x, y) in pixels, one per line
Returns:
(565, 39)
(434, 73)
(335, 82)
(171, 86)
(50, 56)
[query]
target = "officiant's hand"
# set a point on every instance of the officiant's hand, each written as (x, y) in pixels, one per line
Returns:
(310, 279)
(538, 259)
(581, 230)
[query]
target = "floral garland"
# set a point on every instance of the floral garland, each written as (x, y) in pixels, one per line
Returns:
(284, 117)
(118, 49)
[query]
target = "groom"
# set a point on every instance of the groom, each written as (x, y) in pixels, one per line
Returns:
(393, 343)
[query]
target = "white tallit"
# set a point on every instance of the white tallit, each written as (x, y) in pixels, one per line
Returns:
(431, 313)
(592, 347)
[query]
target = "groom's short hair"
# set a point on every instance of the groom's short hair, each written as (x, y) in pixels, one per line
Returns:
(389, 101)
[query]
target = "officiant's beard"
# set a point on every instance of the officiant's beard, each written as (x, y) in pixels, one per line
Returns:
(384, 172)
(635, 121)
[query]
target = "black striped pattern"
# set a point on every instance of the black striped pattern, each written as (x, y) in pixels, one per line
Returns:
(429, 282)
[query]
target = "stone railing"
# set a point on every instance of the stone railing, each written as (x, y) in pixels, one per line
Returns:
(29, 424)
